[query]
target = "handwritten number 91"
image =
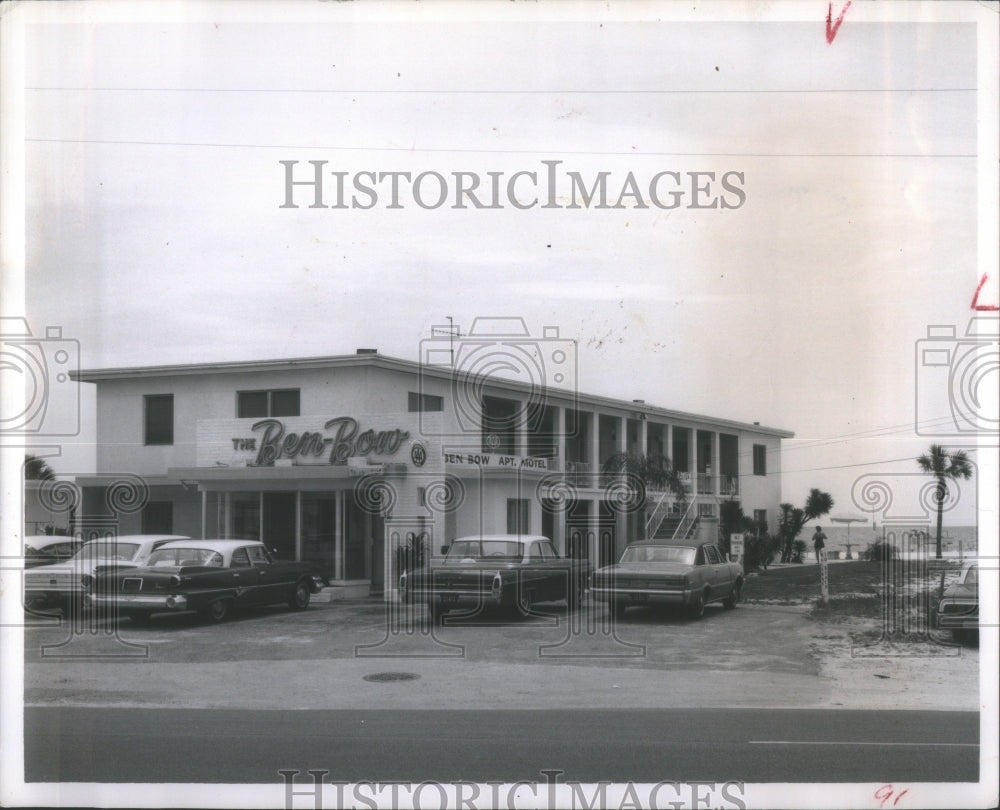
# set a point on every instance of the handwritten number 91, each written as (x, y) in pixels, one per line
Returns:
(887, 792)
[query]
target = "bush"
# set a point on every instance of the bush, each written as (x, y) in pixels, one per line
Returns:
(759, 550)
(879, 551)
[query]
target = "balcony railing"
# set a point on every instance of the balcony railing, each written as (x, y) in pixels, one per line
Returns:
(706, 484)
(729, 486)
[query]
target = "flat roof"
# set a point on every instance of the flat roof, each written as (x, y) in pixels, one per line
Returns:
(565, 397)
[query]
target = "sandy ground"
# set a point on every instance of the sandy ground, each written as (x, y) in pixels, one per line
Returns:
(757, 656)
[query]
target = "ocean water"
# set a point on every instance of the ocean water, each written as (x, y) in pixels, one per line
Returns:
(955, 540)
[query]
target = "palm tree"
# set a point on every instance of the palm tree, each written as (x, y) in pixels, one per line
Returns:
(791, 520)
(944, 466)
(655, 470)
(817, 504)
(37, 469)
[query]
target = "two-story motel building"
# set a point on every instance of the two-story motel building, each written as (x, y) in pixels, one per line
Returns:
(342, 459)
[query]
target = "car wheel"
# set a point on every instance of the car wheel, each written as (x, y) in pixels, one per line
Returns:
(299, 600)
(525, 603)
(217, 610)
(140, 619)
(697, 607)
(737, 594)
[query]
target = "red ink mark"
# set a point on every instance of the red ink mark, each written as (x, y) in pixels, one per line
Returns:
(975, 299)
(886, 792)
(831, 26)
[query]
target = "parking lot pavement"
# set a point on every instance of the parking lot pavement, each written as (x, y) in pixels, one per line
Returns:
(754, 656)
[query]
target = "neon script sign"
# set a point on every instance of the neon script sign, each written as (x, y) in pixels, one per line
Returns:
(346, 441)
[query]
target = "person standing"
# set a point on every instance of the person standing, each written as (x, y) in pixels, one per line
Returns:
(819, 541)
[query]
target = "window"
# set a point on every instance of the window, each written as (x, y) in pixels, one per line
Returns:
(759, 459)
(706, 510)
(760, 519)
(240, 559)
(535, 553)
(158, 518)
(424, 403)
(548, 552)
(712, 555)
(158, 419)
(518, 515)
(257, 404)
(257, 555)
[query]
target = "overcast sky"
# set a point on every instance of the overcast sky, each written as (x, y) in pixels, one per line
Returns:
(156, 235)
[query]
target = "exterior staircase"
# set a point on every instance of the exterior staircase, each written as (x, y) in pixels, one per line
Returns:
(669, 526)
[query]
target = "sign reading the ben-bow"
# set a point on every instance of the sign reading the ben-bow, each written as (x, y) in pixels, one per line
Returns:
(342, 439)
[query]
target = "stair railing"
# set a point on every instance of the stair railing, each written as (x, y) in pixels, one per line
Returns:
(659, 513)
(688, 519)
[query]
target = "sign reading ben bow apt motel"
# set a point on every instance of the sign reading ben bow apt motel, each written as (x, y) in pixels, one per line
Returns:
(341, 438)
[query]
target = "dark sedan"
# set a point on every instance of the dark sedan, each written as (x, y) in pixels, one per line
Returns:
(510, 571)
(676, 572)
(208, 576)
(958, 609)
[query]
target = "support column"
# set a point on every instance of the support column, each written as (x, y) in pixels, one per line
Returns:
(644, 437)
(298, 525)
(595, 448)
(338, 535)
(560, 428)
(716, 464)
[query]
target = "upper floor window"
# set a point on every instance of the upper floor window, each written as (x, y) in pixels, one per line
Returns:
(158, 419)
(257, 404)
(760, 459)
(424, 403)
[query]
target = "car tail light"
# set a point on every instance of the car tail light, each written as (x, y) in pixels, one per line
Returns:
(497, 586)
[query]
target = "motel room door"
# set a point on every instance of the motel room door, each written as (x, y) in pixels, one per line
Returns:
(279, 523)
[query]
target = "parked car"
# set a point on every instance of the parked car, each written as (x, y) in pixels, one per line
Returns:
(958, 609)
(46, 549)
(511, 571)
(208, 576)
(61, 583)
(674, 572)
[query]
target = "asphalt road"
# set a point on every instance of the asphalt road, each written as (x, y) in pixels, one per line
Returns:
(82, 744)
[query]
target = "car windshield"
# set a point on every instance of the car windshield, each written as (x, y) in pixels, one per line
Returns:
(107, 551)
(184, 556)
(463, 550)
(674, 554)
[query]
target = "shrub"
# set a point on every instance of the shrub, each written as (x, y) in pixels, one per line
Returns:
(879, 551)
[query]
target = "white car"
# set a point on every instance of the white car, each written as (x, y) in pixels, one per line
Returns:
(60, 583)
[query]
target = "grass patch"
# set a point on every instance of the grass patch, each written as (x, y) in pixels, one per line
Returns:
(848, 608)
(857, 589)
(799, 584)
